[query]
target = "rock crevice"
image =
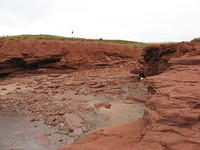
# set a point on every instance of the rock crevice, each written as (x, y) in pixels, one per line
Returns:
(174, 123)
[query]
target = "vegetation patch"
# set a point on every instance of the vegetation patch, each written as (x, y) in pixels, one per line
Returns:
(196, 39)
(46, 36)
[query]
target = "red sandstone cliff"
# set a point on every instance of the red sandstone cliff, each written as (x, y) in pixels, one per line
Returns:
(172, 117)
(27, 54)
(173, 113)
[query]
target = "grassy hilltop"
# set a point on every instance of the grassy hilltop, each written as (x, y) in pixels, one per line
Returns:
(46, 36)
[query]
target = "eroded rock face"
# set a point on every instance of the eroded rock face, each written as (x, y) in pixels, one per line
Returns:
(119, 137)
(174, 119)
(156, 57)
(172, 115)
(42, 55)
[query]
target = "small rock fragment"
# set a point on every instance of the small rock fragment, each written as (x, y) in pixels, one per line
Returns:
(103, 104)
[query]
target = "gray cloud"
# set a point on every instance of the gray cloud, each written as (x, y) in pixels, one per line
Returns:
(140, 20)
(22, 11)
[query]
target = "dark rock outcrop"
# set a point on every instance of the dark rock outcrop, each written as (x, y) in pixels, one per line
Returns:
(156, 57)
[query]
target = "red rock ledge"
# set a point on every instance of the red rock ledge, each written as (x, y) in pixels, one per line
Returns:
(172, 115)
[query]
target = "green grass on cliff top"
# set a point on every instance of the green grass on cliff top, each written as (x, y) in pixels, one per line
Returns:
(45, 36)
(195, 39)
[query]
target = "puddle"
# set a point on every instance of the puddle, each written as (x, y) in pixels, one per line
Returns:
(120, 113)
(117, 114)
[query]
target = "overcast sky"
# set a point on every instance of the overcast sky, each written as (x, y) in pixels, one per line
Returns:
(136, 20)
